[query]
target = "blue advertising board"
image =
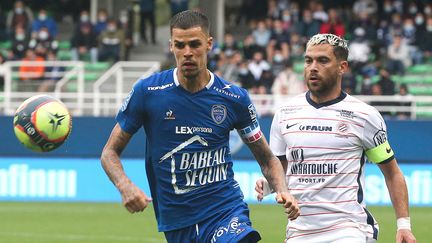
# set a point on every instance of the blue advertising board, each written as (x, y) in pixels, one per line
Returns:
(78, 179)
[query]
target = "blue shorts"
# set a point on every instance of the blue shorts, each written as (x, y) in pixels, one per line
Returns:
(231, 226)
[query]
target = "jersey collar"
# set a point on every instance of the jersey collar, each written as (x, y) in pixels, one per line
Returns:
(208, 86)
(327, 103)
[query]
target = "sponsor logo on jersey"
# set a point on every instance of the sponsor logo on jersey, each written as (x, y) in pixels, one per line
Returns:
(169, 115)
(225, 92)
(234, 227)
(126, 101)
(160, 87)
(192, 130)
(347, 114)
(205, 167)
(218, 113)
(288, 126)
(314, 168)
(297, 155)
(316, 128)
(227, 86)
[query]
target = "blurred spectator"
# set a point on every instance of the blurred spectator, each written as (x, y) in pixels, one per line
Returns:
(412, 9)
(230, 45)
(287, 82)
(386, 84)
(3, 30)
(273, 11)
(334, 25)
(307, 26)
(396, 25)
(53, 73)
(21, 15)
(147, 10)
(44, 21)
(398, 56)
(84, 42)
(84, 19)
(20, 42)
(279, 40)
(359, 51)
(366, 86)
(245, 77)
(349, 82)
(261, 34)
(2, 71)
(31, 75)
(287, 21)
(250, 47)
(126, 25)
(112, 43)
(229, 70)
(296, 47)
(425, 40)
(178, 6)
(233, 12)
(278, 62)
(387, 10)
(376, 90)
(318, 11)
(258, 65)
(368, 6)
(266, 80)
(43, 42)
(101, 22)
(404, 99)
(366, 22)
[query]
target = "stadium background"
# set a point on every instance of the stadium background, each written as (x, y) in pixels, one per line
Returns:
(64, 196)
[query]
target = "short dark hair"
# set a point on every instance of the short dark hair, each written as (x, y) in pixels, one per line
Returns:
(188, 19)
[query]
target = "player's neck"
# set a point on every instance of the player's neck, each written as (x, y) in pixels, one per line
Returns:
(195, 84)
(320, 98)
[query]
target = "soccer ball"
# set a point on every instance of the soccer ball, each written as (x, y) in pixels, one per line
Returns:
(42, 123)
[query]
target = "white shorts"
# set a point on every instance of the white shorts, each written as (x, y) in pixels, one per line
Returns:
(342, 235)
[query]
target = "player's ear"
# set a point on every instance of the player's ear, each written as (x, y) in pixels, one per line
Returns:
(209, 43)
(343, 67)
(170, 45)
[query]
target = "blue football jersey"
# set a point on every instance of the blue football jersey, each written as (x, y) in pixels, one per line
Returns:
(188, 160)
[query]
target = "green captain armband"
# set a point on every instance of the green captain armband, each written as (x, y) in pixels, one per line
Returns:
(380, 153)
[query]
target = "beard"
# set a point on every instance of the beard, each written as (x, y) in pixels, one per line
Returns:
(325, 85)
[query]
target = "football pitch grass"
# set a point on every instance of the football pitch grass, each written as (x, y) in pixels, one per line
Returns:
(109, 222)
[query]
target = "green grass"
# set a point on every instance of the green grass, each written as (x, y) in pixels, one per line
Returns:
(109, 222)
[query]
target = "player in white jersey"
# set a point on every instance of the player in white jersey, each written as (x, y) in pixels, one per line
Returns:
(323, 138)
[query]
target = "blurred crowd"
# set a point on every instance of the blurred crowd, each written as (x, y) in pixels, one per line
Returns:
(386, 37)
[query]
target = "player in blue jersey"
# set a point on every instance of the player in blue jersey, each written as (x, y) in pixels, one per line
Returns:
(187, 114)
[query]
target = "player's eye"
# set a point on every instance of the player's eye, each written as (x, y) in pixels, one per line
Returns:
(179, 45)
(323, 60)
(308, 60)
(195, 44)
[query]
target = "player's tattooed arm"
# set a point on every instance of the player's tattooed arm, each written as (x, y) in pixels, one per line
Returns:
(271, 167)
(111, 155)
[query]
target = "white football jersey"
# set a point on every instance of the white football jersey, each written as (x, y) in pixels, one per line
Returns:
(326, 146)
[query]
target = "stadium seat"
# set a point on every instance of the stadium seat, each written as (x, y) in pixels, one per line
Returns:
(64, 55)
(420, 69)
(98, 66)
(64, 45)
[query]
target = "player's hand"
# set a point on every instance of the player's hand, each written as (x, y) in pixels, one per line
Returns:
(405, 236)
(289, 203)
(259, 188)
(133, 198)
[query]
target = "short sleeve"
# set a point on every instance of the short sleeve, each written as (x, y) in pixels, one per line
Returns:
(375, 140)
(130, 115)
(277, 143)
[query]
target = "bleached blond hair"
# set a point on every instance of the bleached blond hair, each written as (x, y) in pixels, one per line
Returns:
(340, 45)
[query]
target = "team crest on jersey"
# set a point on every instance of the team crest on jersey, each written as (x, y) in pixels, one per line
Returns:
(169, 115)
(218, 113)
